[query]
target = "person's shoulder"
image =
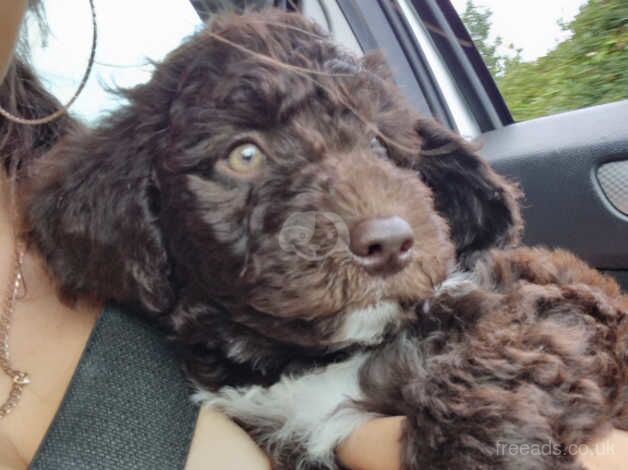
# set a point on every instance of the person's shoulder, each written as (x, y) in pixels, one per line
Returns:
(219, 444)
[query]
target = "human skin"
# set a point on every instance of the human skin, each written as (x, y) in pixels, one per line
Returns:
(48, 337)
(376, 446)
(11, 13)
(373, 446)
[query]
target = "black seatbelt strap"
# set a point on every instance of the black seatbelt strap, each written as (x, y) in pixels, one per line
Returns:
(127, 405)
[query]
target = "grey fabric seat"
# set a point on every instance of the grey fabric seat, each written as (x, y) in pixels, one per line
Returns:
(127, 406)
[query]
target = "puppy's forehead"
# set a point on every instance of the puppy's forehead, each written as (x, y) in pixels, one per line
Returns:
(265, 91)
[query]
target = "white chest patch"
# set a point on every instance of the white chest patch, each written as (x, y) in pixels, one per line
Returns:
(368, 325)
(313, 411)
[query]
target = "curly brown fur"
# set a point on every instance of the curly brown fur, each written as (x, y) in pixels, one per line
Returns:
(155, 163)
(146, 209)
(531, 350)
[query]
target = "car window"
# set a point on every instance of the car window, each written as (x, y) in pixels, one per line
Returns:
(130, 35)
(327, 14)
(551, 56)
(464, 122)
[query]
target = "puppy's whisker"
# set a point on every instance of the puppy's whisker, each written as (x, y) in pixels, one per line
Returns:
(245, 266)
(320, 37)
(271, 60)
(442, 150)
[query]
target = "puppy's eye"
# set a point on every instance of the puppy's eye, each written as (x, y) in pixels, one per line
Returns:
(246, 158)
(378, 148)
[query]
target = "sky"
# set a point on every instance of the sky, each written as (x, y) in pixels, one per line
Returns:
(129, 33)
(528, 24)
(132, 31)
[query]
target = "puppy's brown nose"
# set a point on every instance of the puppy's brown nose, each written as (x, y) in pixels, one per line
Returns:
(382, 245)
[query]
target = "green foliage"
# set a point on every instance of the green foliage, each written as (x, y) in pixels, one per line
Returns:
(590, 67)
(478, 23)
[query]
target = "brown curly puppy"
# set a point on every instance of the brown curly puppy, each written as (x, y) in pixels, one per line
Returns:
(322, 255)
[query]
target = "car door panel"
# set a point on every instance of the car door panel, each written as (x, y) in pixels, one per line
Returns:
(556, 161)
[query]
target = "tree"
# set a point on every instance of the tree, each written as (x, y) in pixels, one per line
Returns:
(478, 22)
(590, 67)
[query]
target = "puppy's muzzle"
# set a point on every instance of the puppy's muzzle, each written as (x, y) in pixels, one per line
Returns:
(383, 245)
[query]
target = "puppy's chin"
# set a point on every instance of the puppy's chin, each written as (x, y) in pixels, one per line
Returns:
(293, 289)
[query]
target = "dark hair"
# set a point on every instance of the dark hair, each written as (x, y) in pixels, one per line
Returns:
(23, 94)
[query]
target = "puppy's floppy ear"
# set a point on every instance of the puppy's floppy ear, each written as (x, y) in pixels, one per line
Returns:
(90, 209)
(480, 206)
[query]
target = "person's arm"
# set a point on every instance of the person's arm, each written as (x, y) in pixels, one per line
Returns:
(376, 446)
(11, 14)
(219, 444)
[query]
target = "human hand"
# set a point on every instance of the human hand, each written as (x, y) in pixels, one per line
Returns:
(609, 453)
(376, 445)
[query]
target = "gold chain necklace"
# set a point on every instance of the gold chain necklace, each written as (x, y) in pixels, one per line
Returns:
(19, 378)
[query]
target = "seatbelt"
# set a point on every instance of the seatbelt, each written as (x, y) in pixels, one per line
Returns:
(127, 405)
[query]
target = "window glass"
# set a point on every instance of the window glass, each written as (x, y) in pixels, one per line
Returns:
(131, 34)
(551, 56)
(465, 123)
(327, 13)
